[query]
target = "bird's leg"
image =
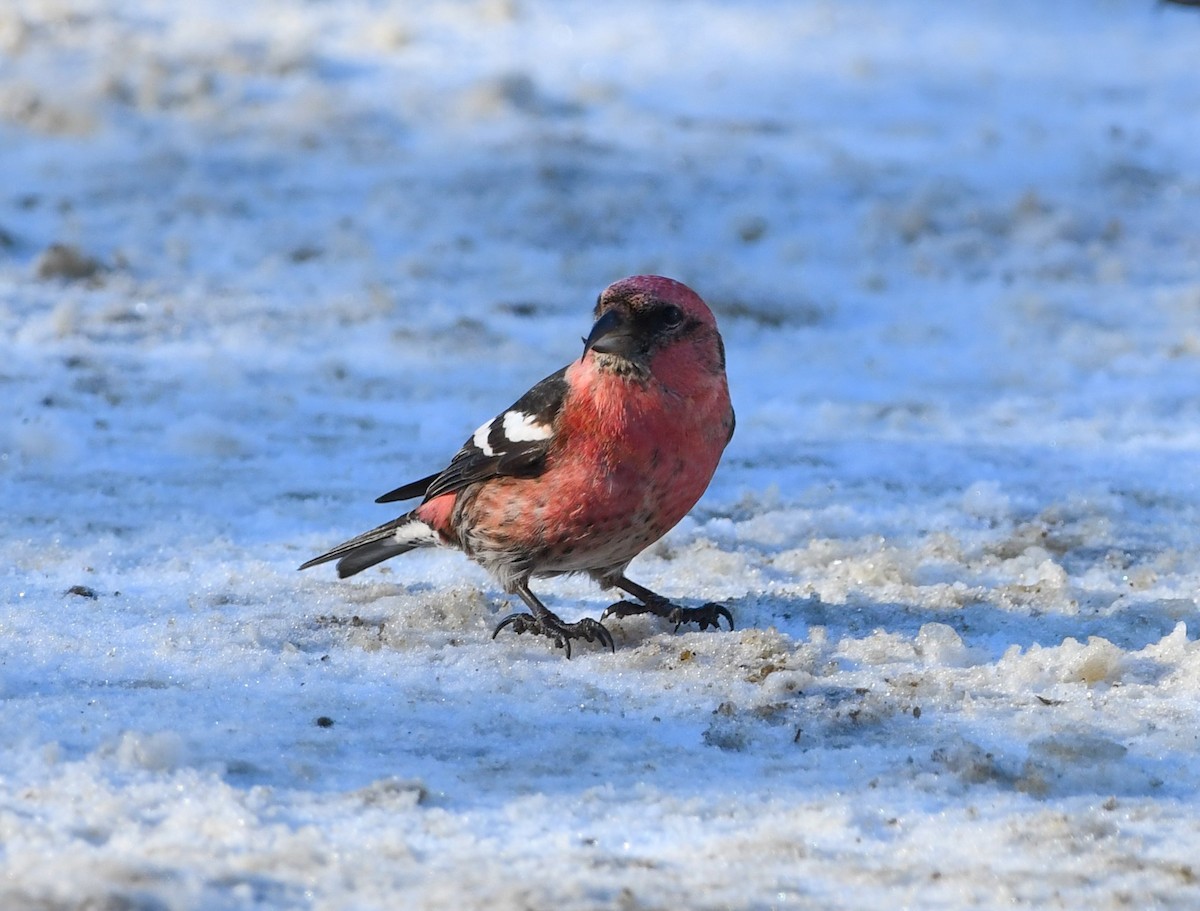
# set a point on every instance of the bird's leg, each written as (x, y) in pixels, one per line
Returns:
(544, 622)
(706, 615)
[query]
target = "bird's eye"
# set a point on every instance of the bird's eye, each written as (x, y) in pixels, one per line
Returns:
(671, 316)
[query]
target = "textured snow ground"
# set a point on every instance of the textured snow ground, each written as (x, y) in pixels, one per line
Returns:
(954, 252)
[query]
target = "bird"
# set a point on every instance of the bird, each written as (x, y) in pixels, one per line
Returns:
(586, 470)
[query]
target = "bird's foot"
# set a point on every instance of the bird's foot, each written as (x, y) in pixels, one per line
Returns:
(561, 633)
(707, 615)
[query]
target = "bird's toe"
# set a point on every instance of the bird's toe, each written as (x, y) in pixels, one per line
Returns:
(706, 615)
(558, 632)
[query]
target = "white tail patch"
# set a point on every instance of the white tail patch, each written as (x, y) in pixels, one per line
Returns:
(415, 534)
(525, 428)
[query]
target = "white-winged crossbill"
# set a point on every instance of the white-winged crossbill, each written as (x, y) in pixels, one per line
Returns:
(587, 469)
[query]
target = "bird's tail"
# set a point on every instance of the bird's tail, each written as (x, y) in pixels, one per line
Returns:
(388, 540)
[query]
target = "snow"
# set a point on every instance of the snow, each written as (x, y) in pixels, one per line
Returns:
(260, 264)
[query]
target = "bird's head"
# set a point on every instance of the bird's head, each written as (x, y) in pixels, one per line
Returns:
(650, 325)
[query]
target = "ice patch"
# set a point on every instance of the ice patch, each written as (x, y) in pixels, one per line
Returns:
(206, 436)
(161, 751)
(986, 500)
(940, 646)
(44, 439)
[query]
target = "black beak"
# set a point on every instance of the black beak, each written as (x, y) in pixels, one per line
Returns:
(612, 334)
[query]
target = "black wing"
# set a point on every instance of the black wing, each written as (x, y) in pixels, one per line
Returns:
(512, 444)
(408, 491)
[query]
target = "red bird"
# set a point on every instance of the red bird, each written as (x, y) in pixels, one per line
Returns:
(587, 469)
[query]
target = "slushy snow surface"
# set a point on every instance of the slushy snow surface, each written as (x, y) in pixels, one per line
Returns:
(261, 262)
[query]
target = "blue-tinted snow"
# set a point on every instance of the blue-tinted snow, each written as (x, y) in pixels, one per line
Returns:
(953, 250)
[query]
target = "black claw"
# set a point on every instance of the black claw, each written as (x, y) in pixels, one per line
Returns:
(625, 609)
(558, 632)
(708, 615)
(519, 623)
(593, 631)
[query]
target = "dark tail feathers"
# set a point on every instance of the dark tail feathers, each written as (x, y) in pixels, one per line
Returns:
(388, 540)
